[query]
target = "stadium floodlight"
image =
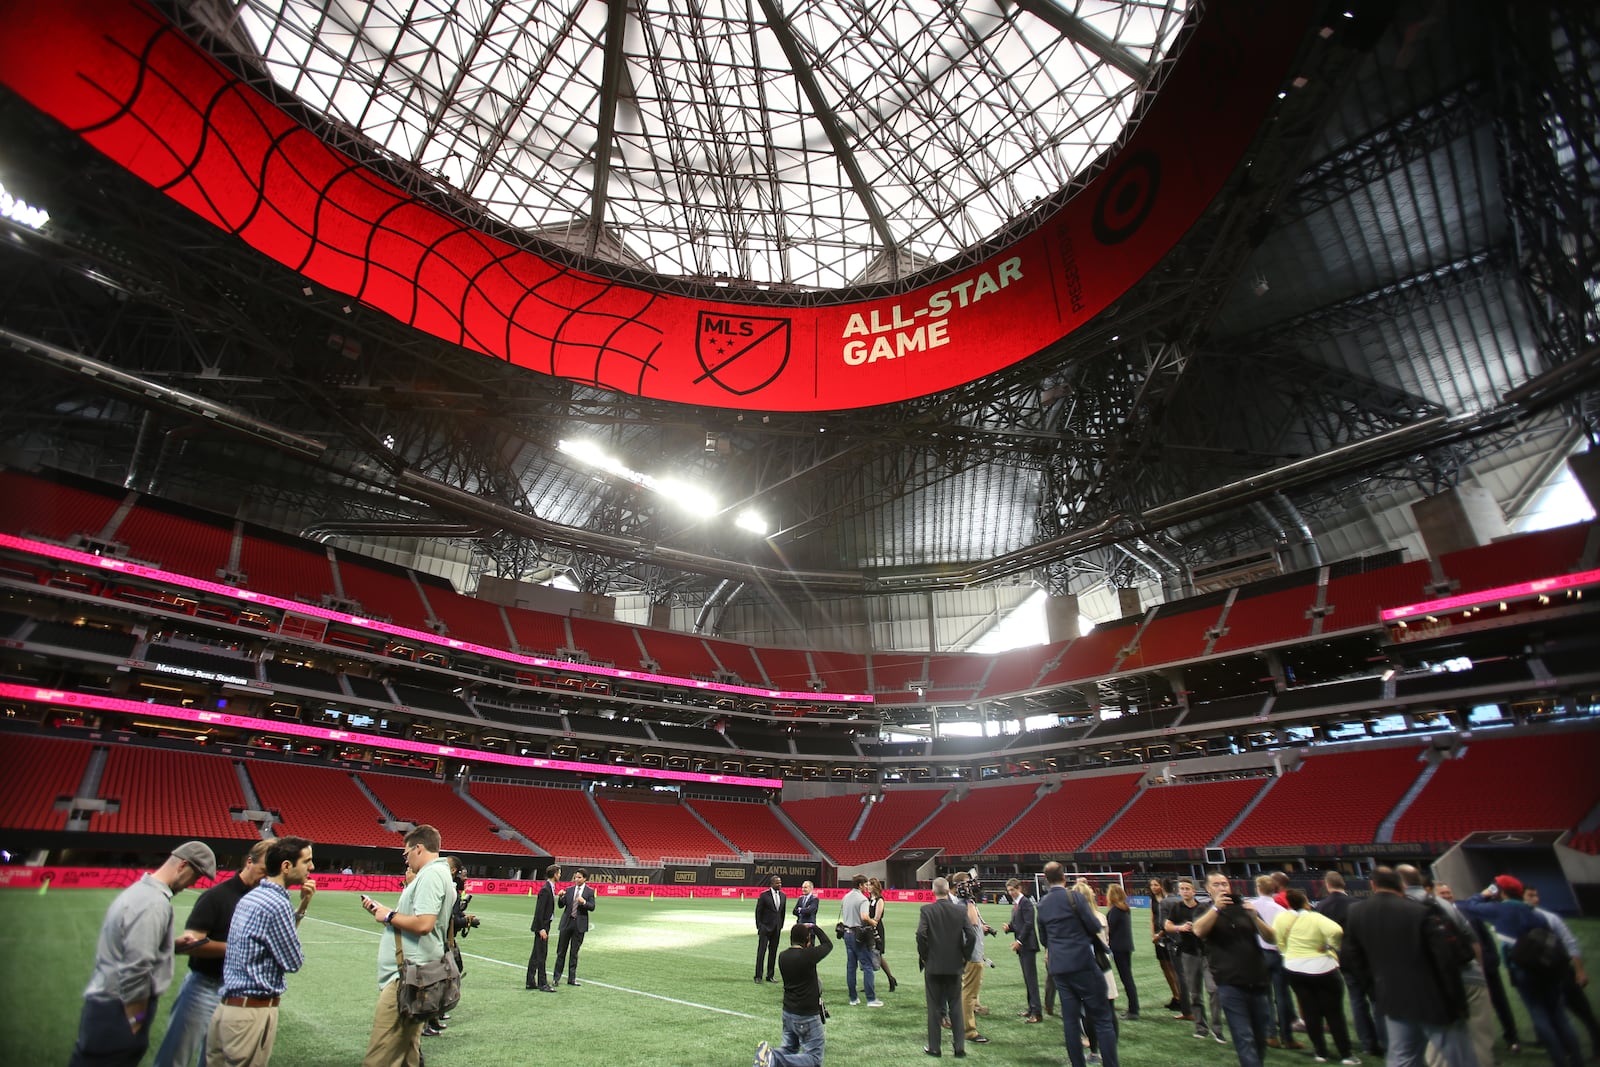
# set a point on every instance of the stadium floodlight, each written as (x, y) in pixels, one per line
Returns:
(690, 498)
(749, 520)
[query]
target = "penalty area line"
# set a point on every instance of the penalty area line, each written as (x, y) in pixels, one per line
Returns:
(586, 981)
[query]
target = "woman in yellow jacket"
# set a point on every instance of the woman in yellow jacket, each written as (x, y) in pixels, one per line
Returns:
(1309, 942)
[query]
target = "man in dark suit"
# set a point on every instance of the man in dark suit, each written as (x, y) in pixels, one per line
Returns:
(576, 902)
(1025, 943)
(770, 908)
(1066, 920)
(1387, 952)
(544, 910)
(805, 905)
(944, 941)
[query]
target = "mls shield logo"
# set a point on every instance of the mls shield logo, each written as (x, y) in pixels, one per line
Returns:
(743, 354)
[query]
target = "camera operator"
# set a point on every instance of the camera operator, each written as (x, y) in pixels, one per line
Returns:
(461, 923)
(803, 1011)
(970, 891)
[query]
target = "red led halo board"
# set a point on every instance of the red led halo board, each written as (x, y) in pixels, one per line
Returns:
(117, 74)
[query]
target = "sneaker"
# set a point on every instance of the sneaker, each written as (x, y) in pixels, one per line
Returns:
(1091, 1057)
(1319, 1059)
(1185, 1017)
(1200, 1035)
(1221, 1040)
(763, 1055)
(977, 1039)
(1299, 1026)
(854, 1002)
(874, 1003)
(430, 1030)
(1350, 1061)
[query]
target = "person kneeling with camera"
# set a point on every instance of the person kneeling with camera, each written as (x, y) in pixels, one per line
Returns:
(803, 1010)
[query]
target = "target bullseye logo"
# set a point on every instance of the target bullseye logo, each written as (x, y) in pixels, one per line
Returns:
(1129, 194)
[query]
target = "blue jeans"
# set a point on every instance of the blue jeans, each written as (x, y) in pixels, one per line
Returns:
(1409, 1040)
(861, 955)
(803, 1038)
(1281, 1024)
(1550, 1022)
(185, 1043)
(1249, 1018)
(1084, 1001)
(1371, 1029)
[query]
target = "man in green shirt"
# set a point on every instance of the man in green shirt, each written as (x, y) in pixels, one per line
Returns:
(421, 918)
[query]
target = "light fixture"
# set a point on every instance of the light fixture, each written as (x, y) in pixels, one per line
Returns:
(749, 520)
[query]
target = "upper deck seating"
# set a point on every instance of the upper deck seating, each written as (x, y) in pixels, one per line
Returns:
(176, 542)
(1063, 820)
(1190, 815)
(654, 832)
(963, 827)
(751, 827)
(1336, 798)
(50, 509)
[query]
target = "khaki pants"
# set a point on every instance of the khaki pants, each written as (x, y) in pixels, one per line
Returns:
(241, 1037)
(971, 982)
(394, 1040)
(1480, 1029)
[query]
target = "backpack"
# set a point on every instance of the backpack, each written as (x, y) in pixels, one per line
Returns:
(1539, 954)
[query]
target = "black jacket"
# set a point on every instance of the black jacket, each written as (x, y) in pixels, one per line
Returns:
(944, 940)
(1390, 951)
(1023, 925)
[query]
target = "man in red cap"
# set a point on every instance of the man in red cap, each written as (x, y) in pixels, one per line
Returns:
(1501, 905)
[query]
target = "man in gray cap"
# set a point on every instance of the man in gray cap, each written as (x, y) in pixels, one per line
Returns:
(133, 960)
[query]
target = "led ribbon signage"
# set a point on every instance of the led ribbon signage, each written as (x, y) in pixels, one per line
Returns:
(116, 73)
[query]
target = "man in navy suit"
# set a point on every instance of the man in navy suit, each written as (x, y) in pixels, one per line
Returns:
(1025, 943)
(770, 907)
(576, 902)
(543, 912)
(805, 905)
(1067, 921)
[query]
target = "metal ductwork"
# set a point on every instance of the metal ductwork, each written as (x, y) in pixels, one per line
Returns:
(1308, 540)
(711, 602)
(488, 515)
(322, 532)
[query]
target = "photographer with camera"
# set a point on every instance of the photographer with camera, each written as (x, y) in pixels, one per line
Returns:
(969, 891)
(1232, 930)
(803, 1010)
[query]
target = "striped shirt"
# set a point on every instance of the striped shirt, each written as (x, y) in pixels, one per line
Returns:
(262, 944)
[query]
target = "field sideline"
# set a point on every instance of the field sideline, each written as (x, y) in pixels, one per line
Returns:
(666, 984)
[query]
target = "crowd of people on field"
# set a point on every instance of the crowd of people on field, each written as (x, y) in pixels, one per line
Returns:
(1420, 970)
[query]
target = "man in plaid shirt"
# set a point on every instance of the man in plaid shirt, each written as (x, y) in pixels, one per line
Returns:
(263, 946)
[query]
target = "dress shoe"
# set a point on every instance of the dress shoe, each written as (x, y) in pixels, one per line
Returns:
(1130, 1016)
(771, 979)
(758, 978)
(547, 989)
(977, 1039)
(926, 1051)
(1032, 1019)
(1273, 1042)
(573, 981)
(429, 1030)
(1292, 1045)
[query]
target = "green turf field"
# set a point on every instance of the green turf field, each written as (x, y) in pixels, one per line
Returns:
(665, 983)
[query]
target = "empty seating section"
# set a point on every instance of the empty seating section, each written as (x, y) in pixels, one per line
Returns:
(174, 794)
(737, 659)
(418, 800)
(285, 570)
(1517, 559)
(1062, 821)
(1338, 798)
(176, 542)
(538, 632)
(841, 672)
(890, 820)
(38, 770)
(893, 673)
(321, 804)
(561, 821)
(470, 619)
(787, 667)
(680, 655)
(1018, 670)
(963, 827)
(56, 512)
(1354, 600)
(651, 832)
(751, 827)
(1545, 782)
(608, 642)
(381, 593)
(1171, 639)
(1282, 615)
(1093, 654)
(957, 672)
(827, 821)
(1178, 816)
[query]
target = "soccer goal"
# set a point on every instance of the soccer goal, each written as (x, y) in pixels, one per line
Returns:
(1098, 881)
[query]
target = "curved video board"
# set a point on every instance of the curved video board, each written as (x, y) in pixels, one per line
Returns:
(121, 77)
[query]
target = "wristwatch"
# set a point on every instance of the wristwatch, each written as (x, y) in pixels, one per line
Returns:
(388, 920)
